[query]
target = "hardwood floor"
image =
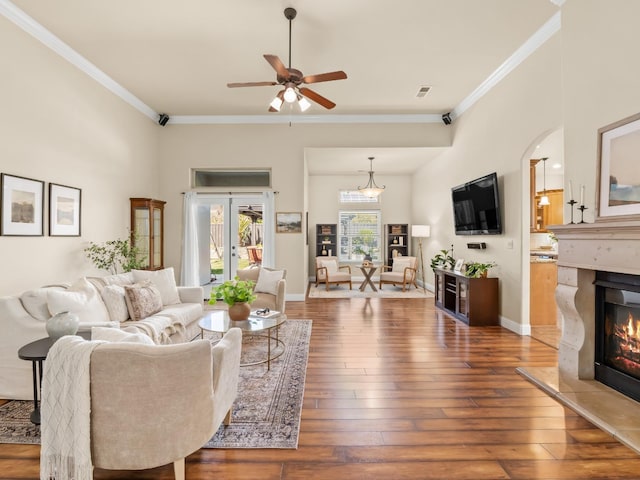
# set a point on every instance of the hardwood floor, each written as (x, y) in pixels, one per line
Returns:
(398, 390)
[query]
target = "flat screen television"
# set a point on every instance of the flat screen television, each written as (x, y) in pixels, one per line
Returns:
(476, 207)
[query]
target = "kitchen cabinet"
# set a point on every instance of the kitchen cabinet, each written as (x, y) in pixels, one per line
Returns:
(542, 304)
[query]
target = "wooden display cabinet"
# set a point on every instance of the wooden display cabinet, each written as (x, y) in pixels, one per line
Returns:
(147, 231)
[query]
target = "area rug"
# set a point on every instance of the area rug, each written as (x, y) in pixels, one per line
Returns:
(388, 291)
(266, 413)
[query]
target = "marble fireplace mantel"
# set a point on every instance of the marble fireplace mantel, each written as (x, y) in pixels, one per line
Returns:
(583, 249)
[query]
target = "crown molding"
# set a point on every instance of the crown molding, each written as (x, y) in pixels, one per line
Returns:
(301, 119)
(29, 25)
(544, 33)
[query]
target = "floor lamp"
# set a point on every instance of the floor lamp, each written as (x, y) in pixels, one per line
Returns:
(420, 232)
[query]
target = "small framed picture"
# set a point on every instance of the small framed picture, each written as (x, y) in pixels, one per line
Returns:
(64, 210)
(458, 266)
(288, 222)
(22, 206)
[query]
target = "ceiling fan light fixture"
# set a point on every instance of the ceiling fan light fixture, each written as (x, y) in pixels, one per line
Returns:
(276, 103)
(304, 104)
(290, 94)
(371, 189)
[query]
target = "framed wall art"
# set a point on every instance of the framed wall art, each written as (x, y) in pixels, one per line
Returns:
(64, 210)
(288, 222)
(618, 182)
(22, 206)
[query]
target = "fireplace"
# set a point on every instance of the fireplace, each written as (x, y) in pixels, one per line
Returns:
(617, 332)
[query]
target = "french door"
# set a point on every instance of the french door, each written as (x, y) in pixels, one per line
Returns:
(232, 234)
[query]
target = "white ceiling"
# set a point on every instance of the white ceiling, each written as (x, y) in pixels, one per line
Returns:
(177, 57)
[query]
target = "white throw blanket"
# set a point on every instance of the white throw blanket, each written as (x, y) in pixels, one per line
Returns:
(65, 411)
(159, 328)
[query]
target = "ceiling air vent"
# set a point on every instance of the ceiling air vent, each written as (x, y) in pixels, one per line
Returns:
(423, 91)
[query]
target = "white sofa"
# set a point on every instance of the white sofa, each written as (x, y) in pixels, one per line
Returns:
(23, 317)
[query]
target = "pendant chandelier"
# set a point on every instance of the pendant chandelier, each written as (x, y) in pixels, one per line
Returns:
(371, 189)
(544, 200)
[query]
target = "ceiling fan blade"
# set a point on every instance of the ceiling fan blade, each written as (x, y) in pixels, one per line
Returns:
(251, 84)
(277, 65)
(316, 97)
(324, 77)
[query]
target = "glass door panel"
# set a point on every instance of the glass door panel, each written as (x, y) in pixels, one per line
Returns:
(157, 232)
(232, 230)
(141, 216)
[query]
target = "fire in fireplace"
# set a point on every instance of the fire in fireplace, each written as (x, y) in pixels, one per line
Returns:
(617, 353)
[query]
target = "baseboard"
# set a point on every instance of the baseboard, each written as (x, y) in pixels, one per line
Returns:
(295, 297)
(515, 327)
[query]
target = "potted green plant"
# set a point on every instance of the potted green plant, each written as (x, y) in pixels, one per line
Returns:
(443, 259)
(236, 293)
(115, 254)
(477, 269)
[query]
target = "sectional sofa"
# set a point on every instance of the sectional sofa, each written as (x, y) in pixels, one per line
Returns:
(138, 301)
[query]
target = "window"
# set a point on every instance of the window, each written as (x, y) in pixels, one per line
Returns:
(359, 235)
(211, 177)
(355, 196)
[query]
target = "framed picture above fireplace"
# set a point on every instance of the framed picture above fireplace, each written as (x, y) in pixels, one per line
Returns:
(618, 196)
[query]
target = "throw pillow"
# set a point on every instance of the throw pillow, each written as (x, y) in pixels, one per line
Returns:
(399, 264)
(117, 335)
(164, 280)
(114, 299)
(80, 298)
(35, 302)
(268, 281)
(143, 300)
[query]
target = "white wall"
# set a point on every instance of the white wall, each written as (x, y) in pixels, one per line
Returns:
(600, 71)
(281, 148)
(58, 125)
(496, 134)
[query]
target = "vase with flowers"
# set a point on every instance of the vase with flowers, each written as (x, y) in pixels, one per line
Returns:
(236, 293)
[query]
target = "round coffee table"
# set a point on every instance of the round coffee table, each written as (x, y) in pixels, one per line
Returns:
(218, 321)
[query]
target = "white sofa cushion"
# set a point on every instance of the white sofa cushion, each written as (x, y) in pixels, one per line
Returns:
(164, 280)
(117, 335)
(268, 281)
(35, 302)
(330, 265)
(82, 299)
(116, 303)
(399, 264)
(184, 313)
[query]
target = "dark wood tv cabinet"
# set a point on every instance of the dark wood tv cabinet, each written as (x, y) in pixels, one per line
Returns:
(473, 301)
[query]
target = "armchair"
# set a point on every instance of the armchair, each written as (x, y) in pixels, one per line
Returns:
(328, 271)
(151, 405)
(271, 292)
(140, 416)
(403, 272)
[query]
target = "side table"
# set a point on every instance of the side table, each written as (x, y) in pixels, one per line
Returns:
(368, 273)
(36, 352)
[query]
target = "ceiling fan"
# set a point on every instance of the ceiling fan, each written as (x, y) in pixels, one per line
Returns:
(293, 80)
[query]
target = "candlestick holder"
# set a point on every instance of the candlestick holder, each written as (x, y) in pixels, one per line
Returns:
(582, 208)
(571, 202)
